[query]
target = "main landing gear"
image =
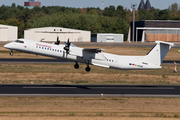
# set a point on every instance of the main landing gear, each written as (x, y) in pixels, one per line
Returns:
(11, 53)
(76, 66)
(88, 69)
(87, 63)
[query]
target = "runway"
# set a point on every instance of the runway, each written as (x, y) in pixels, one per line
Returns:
(90, 90)
(14, 60)
(9, 60)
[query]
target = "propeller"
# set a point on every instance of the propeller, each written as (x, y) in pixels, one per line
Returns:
(57, 42)
(67, 47)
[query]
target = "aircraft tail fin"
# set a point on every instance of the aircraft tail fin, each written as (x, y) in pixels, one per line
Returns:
(158, 52)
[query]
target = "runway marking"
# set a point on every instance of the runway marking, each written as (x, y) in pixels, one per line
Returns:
(133, 87)
(90, 95)
(49, 87)
(102, 87)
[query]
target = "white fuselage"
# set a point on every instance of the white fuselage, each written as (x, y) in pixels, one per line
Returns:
(99, 59)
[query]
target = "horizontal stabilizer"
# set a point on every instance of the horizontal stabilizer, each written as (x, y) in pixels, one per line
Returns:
(161, 42)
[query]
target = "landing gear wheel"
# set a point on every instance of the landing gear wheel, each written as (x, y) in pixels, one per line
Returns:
(11, 53)
(76, 66)
(88, 69)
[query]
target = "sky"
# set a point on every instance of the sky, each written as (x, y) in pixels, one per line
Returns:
(158, 4)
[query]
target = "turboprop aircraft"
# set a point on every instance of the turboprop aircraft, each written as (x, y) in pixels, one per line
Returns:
(96, 57)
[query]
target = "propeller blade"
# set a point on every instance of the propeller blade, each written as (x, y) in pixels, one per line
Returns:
(67, 47)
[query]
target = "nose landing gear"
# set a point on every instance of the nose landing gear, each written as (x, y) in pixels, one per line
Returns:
(11, 53)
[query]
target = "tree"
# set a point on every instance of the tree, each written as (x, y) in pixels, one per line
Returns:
(13, 5)
(120, 12)
(16, 22)
(163, 15)
(92, 12)
(173, 11)
(109, 11)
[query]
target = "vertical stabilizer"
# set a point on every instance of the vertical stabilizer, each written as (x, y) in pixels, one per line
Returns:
(157, 54)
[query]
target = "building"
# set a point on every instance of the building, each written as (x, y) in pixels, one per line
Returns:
(31, 3)
(8, 33)
(51, 34)
(153, 30)
(146, 6)
(107, 37)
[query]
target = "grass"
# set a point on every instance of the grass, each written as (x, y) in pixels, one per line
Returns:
(89, 107)
(17, 73)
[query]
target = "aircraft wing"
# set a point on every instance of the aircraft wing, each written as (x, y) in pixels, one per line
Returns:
(87, 53)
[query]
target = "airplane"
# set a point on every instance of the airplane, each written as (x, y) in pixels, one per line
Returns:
(96, 57)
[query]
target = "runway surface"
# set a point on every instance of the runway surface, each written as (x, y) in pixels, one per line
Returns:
(90, 90)
(9, 60)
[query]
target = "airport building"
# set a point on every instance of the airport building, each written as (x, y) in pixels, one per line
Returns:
(107, 37)
(154, 30)
(32, 3)
(51, 34)
(8, 33)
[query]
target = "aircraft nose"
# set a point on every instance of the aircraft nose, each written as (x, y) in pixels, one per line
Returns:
(8, 46)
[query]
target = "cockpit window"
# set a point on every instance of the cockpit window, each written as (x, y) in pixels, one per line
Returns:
(19, 41)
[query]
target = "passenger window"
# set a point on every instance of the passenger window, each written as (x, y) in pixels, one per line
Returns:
(42, 47)
(47, 48)
(52, 49)
(39, 46)
(36, 46)
(57, 50)
(60, 51)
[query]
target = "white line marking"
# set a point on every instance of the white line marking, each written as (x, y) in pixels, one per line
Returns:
(152, 88)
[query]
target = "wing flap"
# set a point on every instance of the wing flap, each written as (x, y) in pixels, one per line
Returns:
(100, 65)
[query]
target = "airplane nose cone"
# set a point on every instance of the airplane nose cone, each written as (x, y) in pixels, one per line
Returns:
(8, 46)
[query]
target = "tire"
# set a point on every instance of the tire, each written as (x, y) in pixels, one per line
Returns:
(76, 66)
(11, 53)
(88, 69)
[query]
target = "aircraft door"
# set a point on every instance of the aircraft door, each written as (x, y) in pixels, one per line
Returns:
(31, 45)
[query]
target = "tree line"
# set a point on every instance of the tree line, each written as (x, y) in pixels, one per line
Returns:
(110, 20)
